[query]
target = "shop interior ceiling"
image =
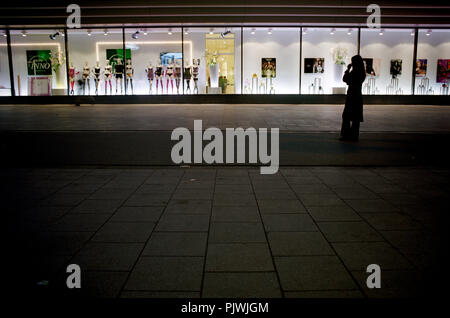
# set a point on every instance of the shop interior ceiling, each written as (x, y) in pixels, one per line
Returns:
(21, 13)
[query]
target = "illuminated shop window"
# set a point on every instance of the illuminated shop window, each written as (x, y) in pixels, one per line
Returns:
(5, 84)
(325, 55)
(38, 62)
(271, 59)
(388, 56)
(432, 69)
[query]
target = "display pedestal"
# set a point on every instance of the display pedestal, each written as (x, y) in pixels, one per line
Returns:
(59, 92)
(339, 90)
(214, 75)
(213, 90)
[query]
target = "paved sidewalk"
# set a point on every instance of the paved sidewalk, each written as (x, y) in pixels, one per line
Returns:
(225, 232)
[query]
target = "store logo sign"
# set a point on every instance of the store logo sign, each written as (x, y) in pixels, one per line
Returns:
(74, 19)
(374, 20)
(235, 146)
(39, 62)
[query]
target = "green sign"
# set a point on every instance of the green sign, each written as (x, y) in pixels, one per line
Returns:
(39, 62)
(112, 55)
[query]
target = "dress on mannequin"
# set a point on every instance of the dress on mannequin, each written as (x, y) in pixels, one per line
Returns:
(187, 74)
(118, 72)
(150, 76)
(96, 71)
(86, 78)
(130, 73)
(108, 75)
(158, 74)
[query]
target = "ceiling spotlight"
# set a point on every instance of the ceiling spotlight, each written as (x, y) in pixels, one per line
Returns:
(211, 31)
(253, 31)
(412, 33)
(24, 33)
(381, 32)
(269, 31)
(332, 31)
(105, 32)
(305, 30)
(4, 34)
(89, 32)
(223, 34)
(135, 35)
(170, 32)
(186, 31)
(349, 32)
(145, 32)
(428, 32)
(54, 35)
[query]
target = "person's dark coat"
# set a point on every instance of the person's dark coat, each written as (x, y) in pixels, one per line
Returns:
(353, 109)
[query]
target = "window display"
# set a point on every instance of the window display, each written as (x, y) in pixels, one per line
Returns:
(95, 56)
(391, 52)
(432, 64)
(5, 83)
(212, 60)
(154, 61)
(38, 62)
(325, 54)
(271, 47)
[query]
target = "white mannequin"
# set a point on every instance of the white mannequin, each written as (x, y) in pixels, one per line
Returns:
(177, 75)
(86, 77)
(118, 72)
(150, 76)
(96, 71)
(129, 72)
(159, 76)
(108, 75)
(169, 75)
(195, 72)
(187, 74)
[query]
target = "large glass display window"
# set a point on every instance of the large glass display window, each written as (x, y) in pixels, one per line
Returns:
(5, 83)
(388, 57)
(212, 63)
(325, 54)
(154, 62)
(38, 62)
(271, 60)
(432, 70)
(96, 62)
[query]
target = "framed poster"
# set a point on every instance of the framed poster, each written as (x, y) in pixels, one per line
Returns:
(443, 71)
(268, 67)
(112, 55)
(39, 86)
(396, 67)
(372, 66)
(421, 67)
(314, 65)
(39, 62)
(165, 57)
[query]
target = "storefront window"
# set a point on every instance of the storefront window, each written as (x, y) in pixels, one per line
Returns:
(96, 62)
(388, 56)
(432, 69)
(325, 54)
(271, 60)
(155, 61)
(212, 60)
(38, 62)
(5, 84)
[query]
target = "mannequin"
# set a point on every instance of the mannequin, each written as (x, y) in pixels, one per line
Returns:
(169, 75)
(86, 78)
(187, 74)
(96, 71)
(158, 74)
(108, 75)
(72, 73)
(118, 72)
(150, 76)
(130, 73)
(195, 72)
(178, 75)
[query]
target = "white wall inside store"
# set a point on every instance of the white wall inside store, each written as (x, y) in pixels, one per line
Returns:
(5, 85)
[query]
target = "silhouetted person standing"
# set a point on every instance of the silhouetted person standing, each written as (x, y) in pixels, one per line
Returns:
(353, 112)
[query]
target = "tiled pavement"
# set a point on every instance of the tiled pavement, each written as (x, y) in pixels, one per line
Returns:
(226, 232)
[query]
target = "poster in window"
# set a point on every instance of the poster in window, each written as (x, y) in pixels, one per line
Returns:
(113, 55)
(421, 67)
(396, 67)
(443, 71)
(39, 62)
(372, 66)
(314, 65)
(268, 67)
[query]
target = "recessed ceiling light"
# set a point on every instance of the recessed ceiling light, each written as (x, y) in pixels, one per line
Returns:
(170, 32)
(253, 31)
(305, 30)
(145, 32)
(186, 31)
(89, 32)
(332, 31)
(105, 32)
(349, 32)
(211, 31)
(24, 33)
(269, 31)
(381, 32)
(428, 32)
